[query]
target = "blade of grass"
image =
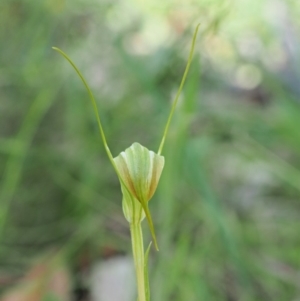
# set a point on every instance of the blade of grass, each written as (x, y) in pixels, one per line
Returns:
(13, 170)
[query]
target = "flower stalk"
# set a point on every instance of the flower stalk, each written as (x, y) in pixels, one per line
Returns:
(139, 258)
(138, 170)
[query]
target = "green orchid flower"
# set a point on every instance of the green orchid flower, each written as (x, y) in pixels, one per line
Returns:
(139, 171)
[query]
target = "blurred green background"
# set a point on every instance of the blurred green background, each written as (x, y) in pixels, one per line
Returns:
(227, 208)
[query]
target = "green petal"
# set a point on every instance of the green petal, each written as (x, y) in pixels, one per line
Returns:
(140, 169)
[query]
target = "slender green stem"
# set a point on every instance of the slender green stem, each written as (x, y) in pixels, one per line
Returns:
(139, 258)
(179, 91)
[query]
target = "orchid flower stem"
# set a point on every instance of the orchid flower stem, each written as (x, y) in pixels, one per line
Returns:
(139, 258)
(147, 171)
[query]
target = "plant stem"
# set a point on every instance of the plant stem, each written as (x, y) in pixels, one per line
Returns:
(139, 258)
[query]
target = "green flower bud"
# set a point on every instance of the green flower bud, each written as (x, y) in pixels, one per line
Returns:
(140, 169)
